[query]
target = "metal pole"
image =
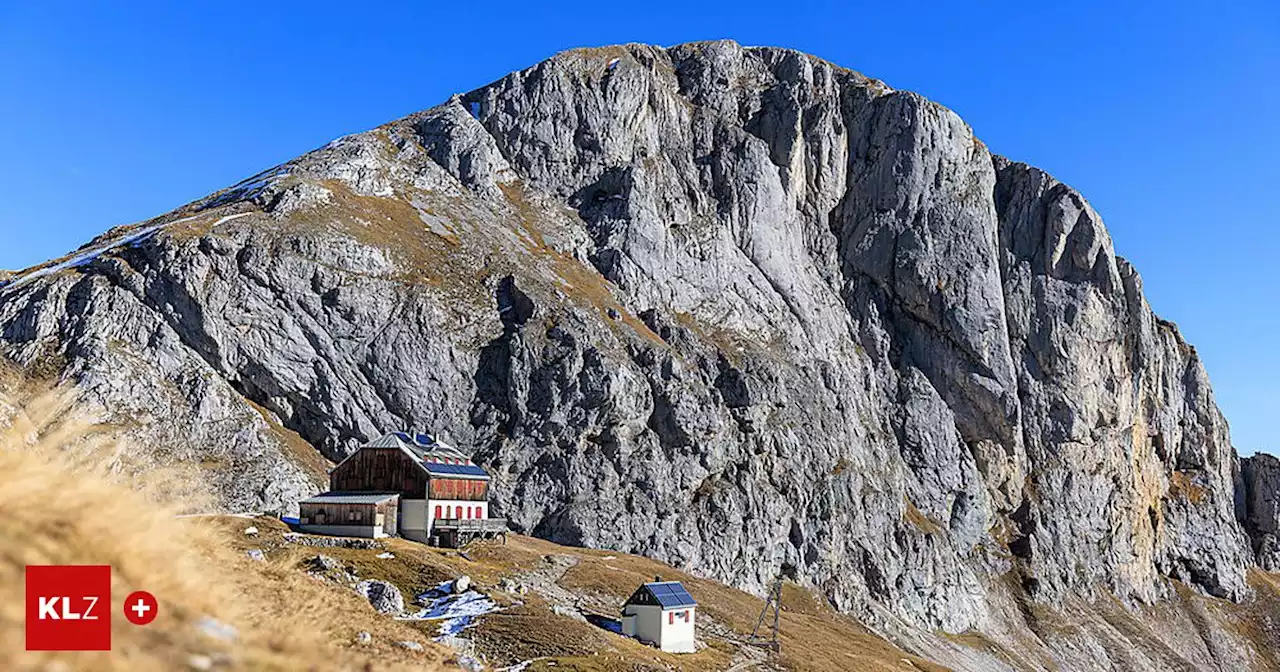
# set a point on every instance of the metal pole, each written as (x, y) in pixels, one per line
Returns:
(777, 610)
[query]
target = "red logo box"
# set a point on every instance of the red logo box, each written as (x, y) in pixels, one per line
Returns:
(68, 608)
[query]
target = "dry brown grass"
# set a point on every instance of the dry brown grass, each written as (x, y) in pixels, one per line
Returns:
(1182, 485)
(1255, 620)
(917, 518)
(64, 504)
(813, 635)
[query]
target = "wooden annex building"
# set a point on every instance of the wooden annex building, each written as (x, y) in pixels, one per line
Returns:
(351, 514)
(412, 486)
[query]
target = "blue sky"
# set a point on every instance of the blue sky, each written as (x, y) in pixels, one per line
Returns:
(1163, 114)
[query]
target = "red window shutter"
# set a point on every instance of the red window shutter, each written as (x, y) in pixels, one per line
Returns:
(671, 618)
(437, 510)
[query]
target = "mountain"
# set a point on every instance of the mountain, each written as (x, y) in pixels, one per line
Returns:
(737, 309)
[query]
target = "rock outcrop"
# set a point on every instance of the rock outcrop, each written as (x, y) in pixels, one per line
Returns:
(1260, 507)
(735, 308)
(384, 597)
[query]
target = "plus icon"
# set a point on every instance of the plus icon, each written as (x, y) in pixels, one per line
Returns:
(140, 607)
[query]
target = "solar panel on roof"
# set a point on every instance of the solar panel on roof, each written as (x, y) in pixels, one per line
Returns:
(402, 436)
(455, 469)
(671, 595)
(425, 439)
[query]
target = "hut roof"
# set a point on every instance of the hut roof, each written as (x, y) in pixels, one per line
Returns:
(667, 594)
(349, 498)
(433, 456)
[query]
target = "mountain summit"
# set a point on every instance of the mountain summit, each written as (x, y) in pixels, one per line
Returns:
(737, 309)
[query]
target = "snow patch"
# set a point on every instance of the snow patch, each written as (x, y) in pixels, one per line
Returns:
(338, 142)
(89, 255)
(456, 612)
(247, 189)
(228, 218)
(133, 239)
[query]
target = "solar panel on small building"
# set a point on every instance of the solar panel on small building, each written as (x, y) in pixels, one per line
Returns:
(671, 594)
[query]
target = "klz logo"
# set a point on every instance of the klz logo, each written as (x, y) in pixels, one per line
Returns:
(68, 608)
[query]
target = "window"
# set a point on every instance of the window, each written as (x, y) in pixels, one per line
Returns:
(671, 618)
(469, 512)
(457, 512)
(353, 516)
(437, 511)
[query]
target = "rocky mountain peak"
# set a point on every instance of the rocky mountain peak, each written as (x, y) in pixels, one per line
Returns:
(735, 308)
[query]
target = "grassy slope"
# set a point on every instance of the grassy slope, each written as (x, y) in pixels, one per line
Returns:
(62, 505)
(814, 637)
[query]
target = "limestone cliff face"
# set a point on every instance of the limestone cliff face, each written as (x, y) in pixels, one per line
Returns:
(735, 308)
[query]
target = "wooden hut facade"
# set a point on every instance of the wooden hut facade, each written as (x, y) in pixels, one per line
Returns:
(351, 514)
(441, 496)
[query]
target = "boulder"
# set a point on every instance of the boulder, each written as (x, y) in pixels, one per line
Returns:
(384, 597)
(324, 563)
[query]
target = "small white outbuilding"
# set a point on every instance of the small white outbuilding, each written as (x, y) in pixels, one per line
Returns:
(661, 613)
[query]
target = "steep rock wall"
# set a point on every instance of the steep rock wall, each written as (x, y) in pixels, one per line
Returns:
(735, 308)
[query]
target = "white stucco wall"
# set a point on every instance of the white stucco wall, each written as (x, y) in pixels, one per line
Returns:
(653, 625)
(413, 519)
(453, 504)
(648, 622)
(677, 633)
